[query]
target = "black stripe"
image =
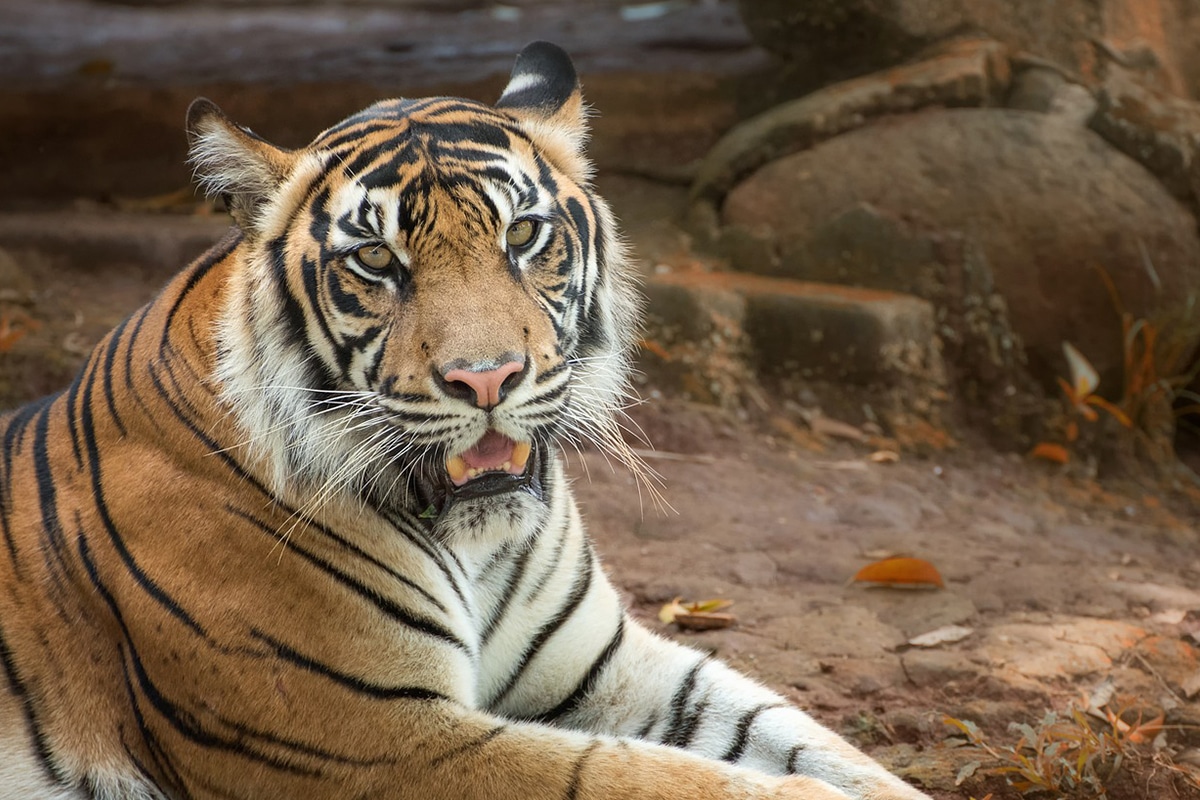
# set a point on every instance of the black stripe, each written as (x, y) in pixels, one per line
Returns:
(588, 683)
(352, 682)
(110, 354)
(167, 771)
(474, 744)
(41, 745)
(507, 595)
(415, 536)
(386, 605)
(742, 732)
(73, 417)
(196, 273)
(679, 702)
(87, 426)
(583, 583)
(577, 773)
(187, 725)
(793, 754)
(644, 732)
(689, 725)
(13, 434)
(47, 493)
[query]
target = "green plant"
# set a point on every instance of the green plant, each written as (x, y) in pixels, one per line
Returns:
(1063, 755)
(1074, 755)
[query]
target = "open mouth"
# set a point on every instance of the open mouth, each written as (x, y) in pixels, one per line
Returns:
(493, 465)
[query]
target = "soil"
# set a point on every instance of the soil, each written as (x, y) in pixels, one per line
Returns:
(1070, 588)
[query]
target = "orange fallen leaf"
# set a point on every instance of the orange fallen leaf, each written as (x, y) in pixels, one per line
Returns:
(900, 572)
(13, 326)
(1139, 732)
(1048, 451)
(657, 349)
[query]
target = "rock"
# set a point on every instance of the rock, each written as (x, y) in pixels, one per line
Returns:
(965, 73)
(751, 568)
(1158, 130)
(820, 330)
(937, 668)
(1072, 648)
(875, 511)
(917, 612)
(856, 33)
(1182, 725)
(1008, 183)
(1034, 88)
(710, 334)
(837, 38)
(843, 631)
(161, 244)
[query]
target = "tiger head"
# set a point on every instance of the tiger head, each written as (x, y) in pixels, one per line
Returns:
(430, 299)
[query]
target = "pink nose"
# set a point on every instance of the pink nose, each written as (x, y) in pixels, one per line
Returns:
(488, 385)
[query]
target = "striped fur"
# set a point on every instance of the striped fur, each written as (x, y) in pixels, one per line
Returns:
(234, 563)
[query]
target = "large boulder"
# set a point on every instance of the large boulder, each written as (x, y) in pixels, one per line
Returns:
(834, 39)
(1035, 204)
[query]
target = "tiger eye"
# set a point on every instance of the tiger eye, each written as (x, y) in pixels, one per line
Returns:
(374, 256)
(520, 233)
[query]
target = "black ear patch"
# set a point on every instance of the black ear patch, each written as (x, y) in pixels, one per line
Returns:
(543, 79)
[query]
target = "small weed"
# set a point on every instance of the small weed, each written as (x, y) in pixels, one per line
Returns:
(1158, 364)
(1074, 755)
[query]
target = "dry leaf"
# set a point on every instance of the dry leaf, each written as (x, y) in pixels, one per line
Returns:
(880, 554)
(884, 457)
(1191, 685)
(1048, 451)
(900, 572)
(947, 634)
(705, 621)
(1100, 697)
(673, 610)
(825, 426)
(1084, 378)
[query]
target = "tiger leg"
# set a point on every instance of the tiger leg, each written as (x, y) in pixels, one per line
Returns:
(654, 690)
(454, 753)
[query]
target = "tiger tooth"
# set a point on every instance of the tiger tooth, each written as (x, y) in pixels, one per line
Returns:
(520, 455)
(457, 468)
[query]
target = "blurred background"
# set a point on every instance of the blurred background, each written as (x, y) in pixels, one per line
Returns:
(923, 277)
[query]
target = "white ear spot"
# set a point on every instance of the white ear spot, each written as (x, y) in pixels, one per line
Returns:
(518, 84)
(543, 95)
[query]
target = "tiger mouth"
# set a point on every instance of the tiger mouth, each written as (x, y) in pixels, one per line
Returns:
(494, 465)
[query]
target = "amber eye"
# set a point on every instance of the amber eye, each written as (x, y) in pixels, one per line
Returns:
(520, 233)
(374, 256)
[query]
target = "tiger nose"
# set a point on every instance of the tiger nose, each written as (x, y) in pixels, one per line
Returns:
(487, 387)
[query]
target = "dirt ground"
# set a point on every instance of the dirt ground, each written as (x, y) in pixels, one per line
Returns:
(1065, 590)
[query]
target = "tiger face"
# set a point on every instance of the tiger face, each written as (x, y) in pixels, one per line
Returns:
(432, 301)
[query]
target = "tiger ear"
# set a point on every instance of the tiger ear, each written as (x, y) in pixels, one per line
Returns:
(233, 162)
(544, 96)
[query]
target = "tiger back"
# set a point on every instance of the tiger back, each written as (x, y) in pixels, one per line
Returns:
(300, 526)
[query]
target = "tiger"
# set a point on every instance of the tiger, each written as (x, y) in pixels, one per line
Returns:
(300, 527)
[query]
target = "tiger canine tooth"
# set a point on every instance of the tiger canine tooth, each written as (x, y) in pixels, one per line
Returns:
(520, 455)
(457, 468)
